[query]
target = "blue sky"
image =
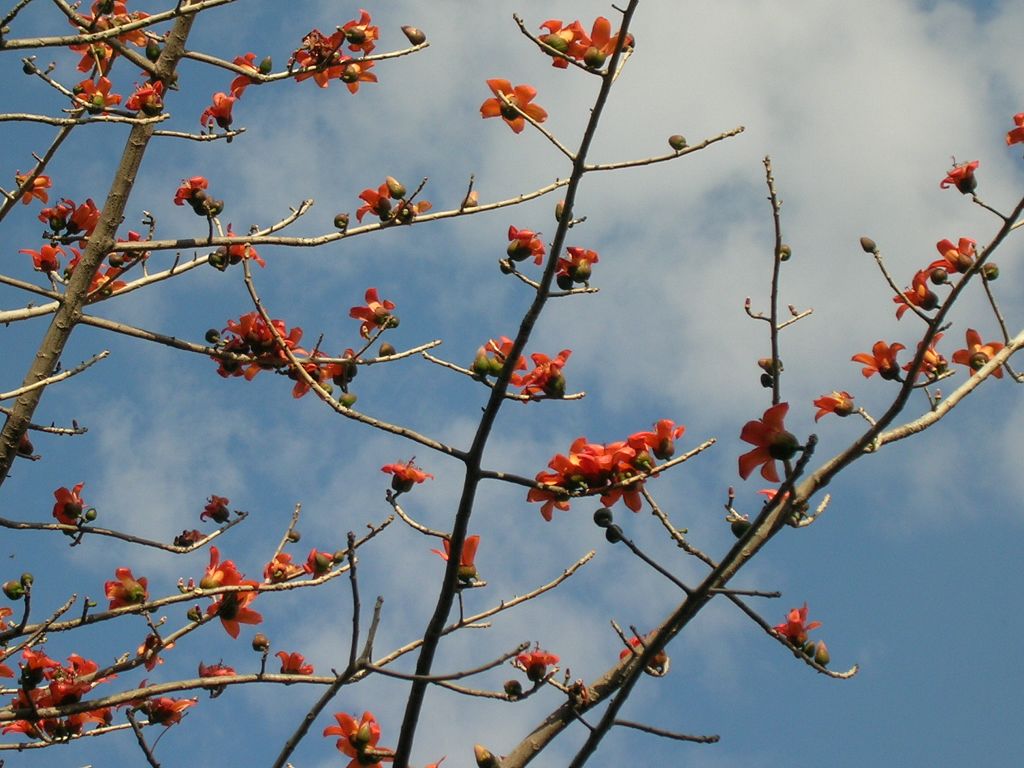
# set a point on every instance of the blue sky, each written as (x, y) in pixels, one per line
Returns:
(913, 570)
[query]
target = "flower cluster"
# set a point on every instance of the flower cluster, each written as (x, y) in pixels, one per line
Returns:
(44, 683)
(107, 14)
(358, 740)
(70, 219)
(794, 630)
(320, 55)
(252, 337)
(616, 470)
(388, 203)
(232, 608)
(573, 42)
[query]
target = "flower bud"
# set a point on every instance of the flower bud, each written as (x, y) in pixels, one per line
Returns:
(260, 643)
(414, 35)
(559, 210)
(13, 590)
(266, 66)
(387, 349)
(821, 654)
(770, 366)
(990, 271)
(341, 221)
(767, 380)
(594, 58)
(603, 517)
(557, 42)
(555, 387)
(677, 142)
(26, 579)
(784, 446)
(294, 536)
(739, 528)
(613, 534)
(938, 276)
(484, 757)
(506, 266)
(28, 68)
(581, 272)
(363, 736)
(153, 50)
(90, 514)
(785, 252)
(868, 245)
(347, 400)
(513, 689)
(194, 614)
(25, 447)
(565, 282)
(395, 187)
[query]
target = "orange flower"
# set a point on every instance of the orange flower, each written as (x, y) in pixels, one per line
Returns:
(662, 440)
(361, 34)
(318, 57)
(95, 95)
(233, 609)
(535, 664)
(795, 627)
(546, 376)
(919, 295)
(882, 361)
(491, 357)
(127, 590)
(376, 314)
(772, 442)
(216, 509)
(576, 269)
(1016, 136)
(977, 354)
(281, 569)
(932, 364)
(219, 669)
(37, 189)
(354, 72)
(957, 258)
(962, 177)
(511, 104)
(240, 83)
(839, 403)
(45, 259)
(219, 111)
(467, 566)
(524, 243)
(405, 475)
(68, 508)
(165, 710)
(294, 664)
(359, 740)
(148, 99)
(219, 574)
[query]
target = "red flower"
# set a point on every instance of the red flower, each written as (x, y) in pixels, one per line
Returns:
(96, 95)
(1016, 136)
(546, 375)
(772, 443)
(882, 361)
(148, 99)
(215, 670)
(977, 354)
(379, 202)
(318, 57)
(150, 650)
(795, 627)
(354, 72)
(68, 508)
(405, 475)
(524, 243)
(467, 566)
(577, 267)
(962, 177)
(919, 295)
(662, 441)
(56, 216)
(294, 664)
(361, 34)
(45, 259)
(233, 609)
(932, 364)
(359, 740)
(165, 710)
(220, 574)
(561, 39)
(240, 83)
(190, 189)
(84, 218)
(37, 189)
(636, 647)
(216, 509)
(956, 258)
(127, 590)
(535, 664)
(509, 102)
(376, 314)
(491, 357)
(318, 563)
(281, 569)
(219, 111)
(839, 403)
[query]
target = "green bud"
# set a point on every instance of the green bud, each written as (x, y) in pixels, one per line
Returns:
(341, 221)
(990, 271)
(785, 252)
(13, 590)
(153, 50)
(677, 142)
(347, 400)
(266, 66)
(739, 527)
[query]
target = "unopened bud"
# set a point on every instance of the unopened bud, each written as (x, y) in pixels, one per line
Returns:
(603, 517)
(387, 349)
(739, 527)
(565, 282)
(785, 252)
(559, 210)
(414, 35)
(341, 221)
(613, 534)
(347, 400)
(868, 245)
(266, 66)
(153, 50)
(594, 58)
(13, 590)
(395, 187)
(677, 142)
(260, 643)
(990, 272)
(821, 654)
(513, 689)
(484, 757)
